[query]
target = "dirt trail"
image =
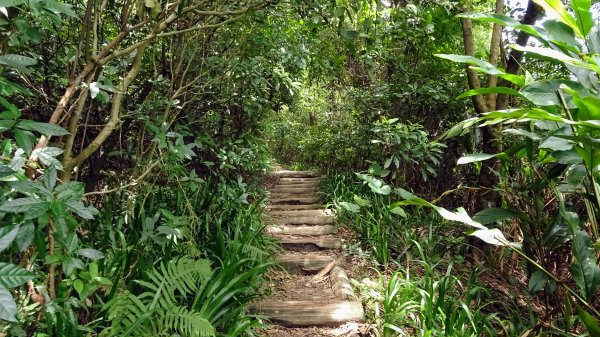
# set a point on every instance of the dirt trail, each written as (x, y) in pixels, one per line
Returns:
(313, 296)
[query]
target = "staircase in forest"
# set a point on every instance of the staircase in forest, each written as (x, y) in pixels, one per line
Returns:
(314, 290)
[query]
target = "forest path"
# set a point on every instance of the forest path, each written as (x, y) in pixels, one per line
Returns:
(313, 296)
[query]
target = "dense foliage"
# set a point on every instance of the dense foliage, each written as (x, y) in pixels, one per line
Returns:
(135, 136)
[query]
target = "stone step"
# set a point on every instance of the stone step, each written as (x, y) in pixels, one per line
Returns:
(296, 243)
(302, 230)
(293, 200)
(295, 213)
(307, 263)
(306, 220)
(296, 174)
(308, 313)
(287, 208)
(293, 190)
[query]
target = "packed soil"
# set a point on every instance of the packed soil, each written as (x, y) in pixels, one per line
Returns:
(298, 287)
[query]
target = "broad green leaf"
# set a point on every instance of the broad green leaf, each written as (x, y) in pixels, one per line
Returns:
(474, 157)
(522, 132)
(12, 275)
(90, 253)
(502, 20)
(25, 236)
(492, 214)
(591, 323)
(481, 64)
(24, 140)
(47, 156)
(80, 209)
(492, 236)
(583, 15)
(593, 40)
(545, 92)
(562, 35)
(18, 62)
(585, 270)
(11, 3)
(361, 202)
(8, 306)
(556, 55)
(568, 157)
(6, 171)
(399, 211)
(7, 236)
(45, 129)
(50, 177)
(492, 90)
(557, 7)
(537, 282)
(350, 207)
(60, 8)
(556, 144)
(20, 205)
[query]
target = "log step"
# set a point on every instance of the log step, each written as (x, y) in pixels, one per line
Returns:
(306, 220)
(286, 208)
(291, 243)
(290, 200)
(285, 183)
(303, 263)
(302, 230)
(293, 190)
(308, 313)
(296, 174)
(300, 213)
(298, 180)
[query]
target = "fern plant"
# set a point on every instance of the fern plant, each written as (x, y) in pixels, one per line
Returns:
(161, 309)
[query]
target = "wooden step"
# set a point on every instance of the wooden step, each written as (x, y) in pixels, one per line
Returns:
(296, 213)
(286, 208)
(308, 313)
(286, 183)
(296, 174)
(302, 230)
(291, 200)
(303, 263)
(299, 242)
(299, 180)
(306, 220)
(293, 190)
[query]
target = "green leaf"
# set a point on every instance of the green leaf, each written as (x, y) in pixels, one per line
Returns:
(50, 177)
(7, 236)
(545, 92)
(25, 140)
(490, 215)
(537, 282)
(11, 3)
(47, 156)
(361, 202)
(502, 20)
(12, 275)
(60, 8)
(350, 207)
(592, 325)
(583, 15)
(20, 205)
(18, 62)
(399, 211)
(492, 90)
(45, 129)
(481, 64)
(6, 171)
(25, 236)
(557, 7)
(555, 55)
(556, 144)
(90, 253)
(474, 157)
(8, 306)
(492, 236)
(80, 209)
(585, 270)
(78, 286)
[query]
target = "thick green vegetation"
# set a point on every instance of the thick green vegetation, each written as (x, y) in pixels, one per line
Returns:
(135, 136)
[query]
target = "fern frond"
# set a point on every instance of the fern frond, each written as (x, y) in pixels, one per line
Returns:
(186, 322)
